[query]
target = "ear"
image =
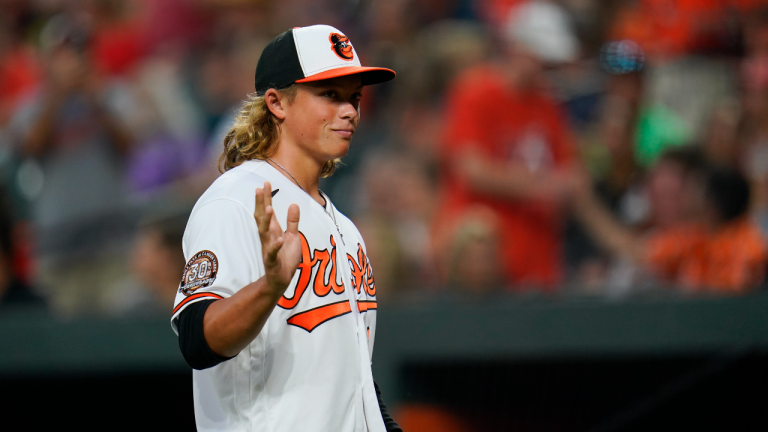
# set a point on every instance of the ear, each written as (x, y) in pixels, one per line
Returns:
(274, 102)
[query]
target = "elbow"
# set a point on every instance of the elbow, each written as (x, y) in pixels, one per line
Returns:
(198, 356)
(197, 363)
(192, 343)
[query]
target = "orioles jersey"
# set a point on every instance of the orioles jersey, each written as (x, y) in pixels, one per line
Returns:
(309, 369)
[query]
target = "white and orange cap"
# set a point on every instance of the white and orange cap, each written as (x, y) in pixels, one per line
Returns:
(314, 53)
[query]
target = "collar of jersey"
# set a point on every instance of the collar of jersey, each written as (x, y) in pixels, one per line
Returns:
(259, 164)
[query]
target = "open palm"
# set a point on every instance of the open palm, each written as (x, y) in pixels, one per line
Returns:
(281, 250)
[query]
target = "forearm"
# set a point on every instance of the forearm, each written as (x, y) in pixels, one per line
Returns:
(606, 230)
(232, 323)
(510, 180)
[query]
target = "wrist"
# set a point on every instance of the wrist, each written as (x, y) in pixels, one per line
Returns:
(273, 287)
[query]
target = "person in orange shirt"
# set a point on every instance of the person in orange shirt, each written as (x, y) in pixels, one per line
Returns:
(718, 249)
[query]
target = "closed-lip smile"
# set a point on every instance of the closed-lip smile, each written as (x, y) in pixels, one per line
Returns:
(345, 132)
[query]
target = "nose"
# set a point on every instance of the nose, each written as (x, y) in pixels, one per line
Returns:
(349, 111)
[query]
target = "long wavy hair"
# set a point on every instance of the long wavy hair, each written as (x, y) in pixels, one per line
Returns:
(255, 134)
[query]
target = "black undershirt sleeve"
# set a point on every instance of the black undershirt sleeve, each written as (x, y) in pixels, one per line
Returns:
(389, 423)
(200, 356)
(192, 341)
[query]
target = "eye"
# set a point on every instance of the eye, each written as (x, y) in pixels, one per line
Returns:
(330, 94)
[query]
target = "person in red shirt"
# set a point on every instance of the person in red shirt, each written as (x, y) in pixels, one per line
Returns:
(506, 158)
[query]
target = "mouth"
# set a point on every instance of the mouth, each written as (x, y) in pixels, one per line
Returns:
(345, 133)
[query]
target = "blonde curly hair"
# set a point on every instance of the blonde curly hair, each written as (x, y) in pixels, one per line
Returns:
(256, 132)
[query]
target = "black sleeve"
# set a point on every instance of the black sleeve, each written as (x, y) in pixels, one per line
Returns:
(192, 341)
(389, 423)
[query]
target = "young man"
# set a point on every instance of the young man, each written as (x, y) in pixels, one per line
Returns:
(305, 364)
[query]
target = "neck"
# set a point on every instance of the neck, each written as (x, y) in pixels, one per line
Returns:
(299, 168)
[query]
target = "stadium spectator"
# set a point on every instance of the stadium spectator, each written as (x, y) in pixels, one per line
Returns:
(397, 210)
(111, 123)
(72, 134)
(703, 240)
(619, 180)
(73, 130)
(507, 149)
(158, 262)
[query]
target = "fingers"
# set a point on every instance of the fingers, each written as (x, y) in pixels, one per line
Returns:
(263, 199)
(265, 224)
(292, 224)
(267, 194)
(259, 210)
(270, 234)
(262, 213)
(273, 249)
(263, 203)
(269, 228)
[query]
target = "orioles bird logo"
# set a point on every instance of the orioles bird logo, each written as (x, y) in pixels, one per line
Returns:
(341, 46)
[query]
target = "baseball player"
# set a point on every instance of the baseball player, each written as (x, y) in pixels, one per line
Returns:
(279, 325)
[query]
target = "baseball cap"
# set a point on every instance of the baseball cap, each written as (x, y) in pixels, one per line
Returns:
(314, 53)
(545, 29)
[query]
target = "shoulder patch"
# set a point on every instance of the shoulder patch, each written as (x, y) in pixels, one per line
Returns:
(199, 272)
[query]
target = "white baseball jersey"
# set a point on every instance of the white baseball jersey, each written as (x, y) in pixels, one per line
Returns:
(310, 367)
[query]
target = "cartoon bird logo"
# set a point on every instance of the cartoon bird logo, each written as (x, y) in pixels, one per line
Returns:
(341, 46)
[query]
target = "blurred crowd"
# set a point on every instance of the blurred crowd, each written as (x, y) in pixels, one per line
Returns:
(554, 147)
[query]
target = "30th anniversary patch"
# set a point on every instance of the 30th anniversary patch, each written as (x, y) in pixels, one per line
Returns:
(200, 272)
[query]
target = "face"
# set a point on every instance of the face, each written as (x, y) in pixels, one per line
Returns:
(157, 266)
(676, 196)
(323, 116)
(527, 69)
(666, 187)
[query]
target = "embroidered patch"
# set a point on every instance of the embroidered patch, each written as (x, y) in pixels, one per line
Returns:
(341, 46)
(200, 272)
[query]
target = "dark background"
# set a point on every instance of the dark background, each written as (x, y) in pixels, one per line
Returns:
(507, 364)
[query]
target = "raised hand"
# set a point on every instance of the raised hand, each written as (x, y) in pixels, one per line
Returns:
(281, 250)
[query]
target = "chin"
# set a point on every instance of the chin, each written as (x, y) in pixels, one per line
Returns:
(338, 150)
